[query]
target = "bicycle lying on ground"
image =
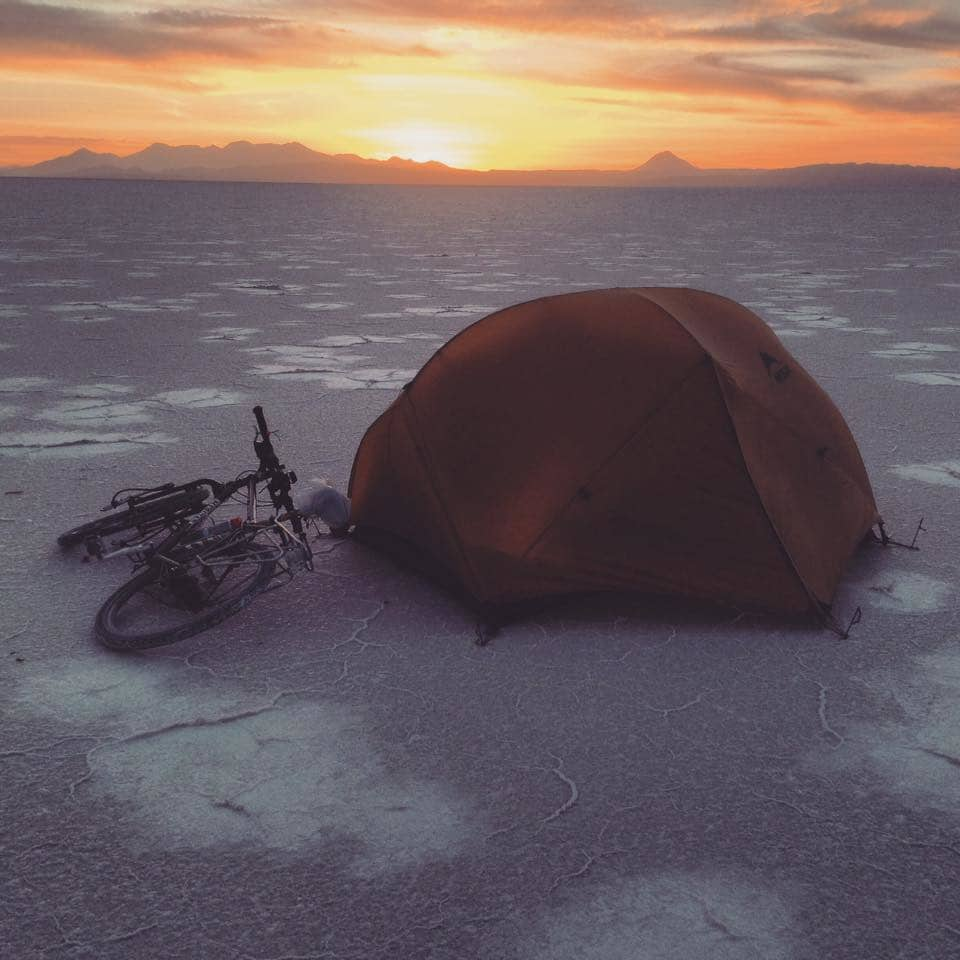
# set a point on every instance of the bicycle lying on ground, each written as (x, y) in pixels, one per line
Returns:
(194, 572)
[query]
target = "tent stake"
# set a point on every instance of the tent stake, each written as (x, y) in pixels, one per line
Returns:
(912, 545)
(916, 534)
(854, 620)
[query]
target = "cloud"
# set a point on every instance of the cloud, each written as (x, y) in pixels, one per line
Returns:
(717, 108)
(866, 25)
(44, 29)
(813, 52)
(207, 20)
(715, 75)
(792, 75)
(536, 15)
(766, 30)
(932, 32)
(941, 99)
(39, 140)
(37, 30)
(715, 80)
(904, 23)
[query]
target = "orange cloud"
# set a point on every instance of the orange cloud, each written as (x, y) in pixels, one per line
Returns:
(862, 26)
(29, 31)
(718, 78)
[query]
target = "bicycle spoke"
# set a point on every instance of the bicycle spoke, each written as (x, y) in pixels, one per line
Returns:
(185, 593)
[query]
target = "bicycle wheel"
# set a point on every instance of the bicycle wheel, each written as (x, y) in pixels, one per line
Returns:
(171, 602)
(164, 510)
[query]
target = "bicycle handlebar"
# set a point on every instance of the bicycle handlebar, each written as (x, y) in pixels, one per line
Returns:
(280, 480)
(269, 461)
(261, 422)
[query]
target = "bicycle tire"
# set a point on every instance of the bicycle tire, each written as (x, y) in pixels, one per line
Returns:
(128, 620)
(172, 507)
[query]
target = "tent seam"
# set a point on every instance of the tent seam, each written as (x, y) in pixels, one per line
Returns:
(818, 606)
(428, 470)
(716, 363)
(675, 388)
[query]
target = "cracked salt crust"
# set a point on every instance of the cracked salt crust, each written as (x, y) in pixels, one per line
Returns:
(64, 282)
(336, 370)
(229, 333)
(96, 390)
(436, 311)
(325, 307)
(834, 323)
(23, 384)
(903, 592)
(200, 397)
(62, 443)
(107, 405)
(80, 312)
(356, 340)
(255, 287)
(198, 762)
(917, 755)
(914, 350)
(695, 916)
(81, 411)
(348, 340)
(932, 379)
(86, 318)
(946, 473)
(132, 305)
(365, 378)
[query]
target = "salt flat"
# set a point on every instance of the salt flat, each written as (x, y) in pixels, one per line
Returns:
(339, 771)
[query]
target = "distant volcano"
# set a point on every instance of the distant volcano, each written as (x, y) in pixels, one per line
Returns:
(667, 164)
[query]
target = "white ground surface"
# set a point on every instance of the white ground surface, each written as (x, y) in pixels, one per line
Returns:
(339, 771)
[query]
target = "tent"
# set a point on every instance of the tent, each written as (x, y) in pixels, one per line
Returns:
(649, 439)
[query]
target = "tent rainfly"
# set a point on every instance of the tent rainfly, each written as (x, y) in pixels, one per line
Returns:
(651, 439)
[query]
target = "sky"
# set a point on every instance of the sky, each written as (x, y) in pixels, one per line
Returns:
(535, 84)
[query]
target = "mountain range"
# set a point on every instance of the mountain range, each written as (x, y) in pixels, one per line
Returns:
(295, 163)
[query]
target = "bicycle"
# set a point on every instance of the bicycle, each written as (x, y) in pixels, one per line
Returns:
(193, 573)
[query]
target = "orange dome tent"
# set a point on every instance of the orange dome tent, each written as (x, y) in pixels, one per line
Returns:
(651, 439)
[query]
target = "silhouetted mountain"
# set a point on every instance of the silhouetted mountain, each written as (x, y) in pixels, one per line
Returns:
(667, 164)
(67, 166)
(295, 163)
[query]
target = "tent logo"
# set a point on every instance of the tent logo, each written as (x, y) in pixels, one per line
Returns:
(775, 369)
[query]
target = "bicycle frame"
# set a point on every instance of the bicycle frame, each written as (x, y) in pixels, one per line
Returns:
(190, 533)
(191, 569)
(183, 531)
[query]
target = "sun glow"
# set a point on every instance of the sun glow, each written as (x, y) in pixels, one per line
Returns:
(422, 140)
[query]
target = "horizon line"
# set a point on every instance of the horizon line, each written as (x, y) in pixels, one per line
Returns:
(667, 154)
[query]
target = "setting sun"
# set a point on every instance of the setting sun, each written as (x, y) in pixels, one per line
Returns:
(423, 141)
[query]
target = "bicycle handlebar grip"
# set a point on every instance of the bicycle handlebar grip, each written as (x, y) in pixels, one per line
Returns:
(261, 422)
